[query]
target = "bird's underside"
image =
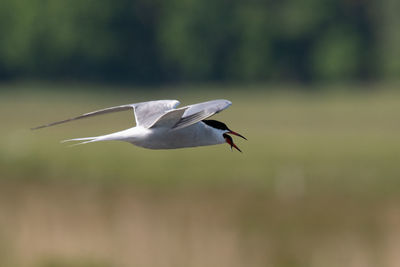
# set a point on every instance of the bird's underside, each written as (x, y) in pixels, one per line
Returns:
(198, 134)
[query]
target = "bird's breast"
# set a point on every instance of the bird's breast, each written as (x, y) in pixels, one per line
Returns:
(195, 135)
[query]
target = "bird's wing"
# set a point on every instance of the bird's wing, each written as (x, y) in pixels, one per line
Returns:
(146, 113)
(170, 118)
(197, 112)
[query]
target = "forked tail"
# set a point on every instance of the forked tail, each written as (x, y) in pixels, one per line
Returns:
(118, 136)
(85, 139)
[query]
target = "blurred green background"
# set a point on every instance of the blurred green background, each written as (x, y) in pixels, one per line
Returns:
(156, 41)
(314, 86)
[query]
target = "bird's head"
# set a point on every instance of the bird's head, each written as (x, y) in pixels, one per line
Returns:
(225, 131)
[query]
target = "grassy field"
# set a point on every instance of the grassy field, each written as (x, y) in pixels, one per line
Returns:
(317, 183)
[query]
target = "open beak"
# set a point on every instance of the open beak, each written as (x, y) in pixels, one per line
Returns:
(232, 144)
(235, 133)
(235, 146)
(229, 140)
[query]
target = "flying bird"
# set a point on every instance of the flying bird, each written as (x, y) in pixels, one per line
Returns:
(162, 125)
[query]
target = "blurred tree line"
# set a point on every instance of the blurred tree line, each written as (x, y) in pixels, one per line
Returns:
(155, 41)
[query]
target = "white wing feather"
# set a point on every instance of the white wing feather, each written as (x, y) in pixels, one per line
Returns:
(201, 111)
(155, 113)
(146, 113)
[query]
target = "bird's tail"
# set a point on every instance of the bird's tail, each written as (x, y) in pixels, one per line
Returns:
(84, 139)
(117, 136)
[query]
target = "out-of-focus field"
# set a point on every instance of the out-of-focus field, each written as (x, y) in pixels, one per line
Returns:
(317, 185)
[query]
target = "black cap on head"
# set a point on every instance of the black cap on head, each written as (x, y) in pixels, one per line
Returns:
(216, 124)
(222, 126)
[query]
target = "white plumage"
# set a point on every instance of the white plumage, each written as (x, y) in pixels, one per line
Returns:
(161, 125)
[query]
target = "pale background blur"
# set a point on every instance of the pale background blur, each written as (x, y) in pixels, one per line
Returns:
(314, 86)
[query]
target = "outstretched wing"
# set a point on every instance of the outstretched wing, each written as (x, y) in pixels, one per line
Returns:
(146, 113)
(169, 119)
(197, 112)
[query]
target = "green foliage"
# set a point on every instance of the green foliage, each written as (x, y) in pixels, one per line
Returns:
(387, 19)
(337, 55)
(187, 40)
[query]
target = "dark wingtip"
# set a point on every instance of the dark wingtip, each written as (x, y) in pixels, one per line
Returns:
(38, 127)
